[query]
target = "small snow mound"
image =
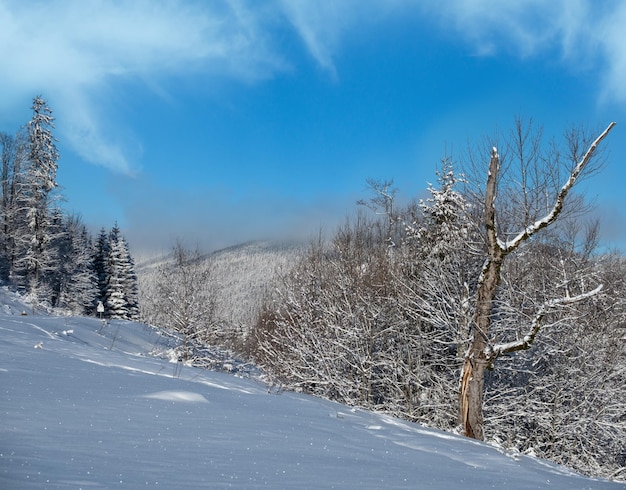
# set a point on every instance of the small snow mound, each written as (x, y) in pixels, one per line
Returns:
(178, 396)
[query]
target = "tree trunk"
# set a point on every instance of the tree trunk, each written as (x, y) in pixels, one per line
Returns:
(478, 356)
(471, 397)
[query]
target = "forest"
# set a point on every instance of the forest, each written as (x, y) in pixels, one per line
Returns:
(46, 253)
(489, 308)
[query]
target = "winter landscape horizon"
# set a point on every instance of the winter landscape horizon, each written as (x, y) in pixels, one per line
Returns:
(300, 243)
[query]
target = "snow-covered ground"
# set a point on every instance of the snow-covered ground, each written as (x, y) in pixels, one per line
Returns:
(87, 406)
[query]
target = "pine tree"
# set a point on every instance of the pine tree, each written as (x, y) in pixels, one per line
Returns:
(100, 258)
(445, 226)
(35, 202)
(121, 294)
(78, 285)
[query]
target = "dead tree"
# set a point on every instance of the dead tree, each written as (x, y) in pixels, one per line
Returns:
(481, 352)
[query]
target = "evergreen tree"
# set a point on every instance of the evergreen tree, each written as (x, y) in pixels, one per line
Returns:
(52, 256)
(33, 230)
(49, 285)
(100, 258)
(77, 286)
(121, 296)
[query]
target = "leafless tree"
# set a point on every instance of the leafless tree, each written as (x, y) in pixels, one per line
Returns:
(542, 202)
(182, 298)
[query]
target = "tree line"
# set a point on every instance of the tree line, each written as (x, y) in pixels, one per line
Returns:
(45, 252)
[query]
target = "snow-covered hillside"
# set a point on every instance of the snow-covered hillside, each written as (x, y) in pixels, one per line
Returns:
(87, 406)
(241, 275)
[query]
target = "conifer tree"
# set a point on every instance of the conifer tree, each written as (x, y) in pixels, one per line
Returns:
(100, 257)
(121, 296)
(13, 154)
(35, 202)
(77, 286)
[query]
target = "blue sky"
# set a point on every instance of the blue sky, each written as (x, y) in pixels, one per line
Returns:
(231, 120)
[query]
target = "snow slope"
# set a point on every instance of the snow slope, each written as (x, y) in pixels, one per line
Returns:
(87, 406)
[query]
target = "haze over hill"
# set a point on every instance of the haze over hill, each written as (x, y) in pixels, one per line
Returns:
(241, 275)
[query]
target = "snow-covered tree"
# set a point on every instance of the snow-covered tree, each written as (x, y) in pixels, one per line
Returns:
(439, 260)
(42, 250)
(33, 236)
(345, 325)
(563, 399)
(121, 297)
(77, 286)
(100, 257)
(183, 299)
(392, 325)
(13, 157)
(541, 201)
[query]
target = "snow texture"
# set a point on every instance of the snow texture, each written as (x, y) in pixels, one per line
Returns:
(102, 407)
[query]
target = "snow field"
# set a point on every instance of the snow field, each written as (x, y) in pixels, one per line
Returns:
(102, 407)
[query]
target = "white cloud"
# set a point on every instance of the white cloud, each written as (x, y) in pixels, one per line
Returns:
(73, 51)
(319, 24)
(323, 24)
(77, 51)
(587, 36)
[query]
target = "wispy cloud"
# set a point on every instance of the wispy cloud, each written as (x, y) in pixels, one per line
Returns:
(74, 51)
(323, 24)
(320, 25)
(586, 36)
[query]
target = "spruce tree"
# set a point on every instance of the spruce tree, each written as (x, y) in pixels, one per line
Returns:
(33, 232)
(78, 286)
(100, 258)
(121, 294)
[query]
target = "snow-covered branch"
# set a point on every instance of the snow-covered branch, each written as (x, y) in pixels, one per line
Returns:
(560, 198)
(526, 342)
(490, 201)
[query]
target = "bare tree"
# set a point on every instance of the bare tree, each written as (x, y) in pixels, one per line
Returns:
(183, 299)
(535, 188)
(564, 400)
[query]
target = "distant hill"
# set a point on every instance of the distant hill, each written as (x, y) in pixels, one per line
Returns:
(242, 274)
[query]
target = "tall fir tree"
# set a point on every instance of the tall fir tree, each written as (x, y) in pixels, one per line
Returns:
(100, 258)
(121, 294)
(77, 283)
(35, 256)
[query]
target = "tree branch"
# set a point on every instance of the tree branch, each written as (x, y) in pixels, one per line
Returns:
(526, 342)
(560, 198)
